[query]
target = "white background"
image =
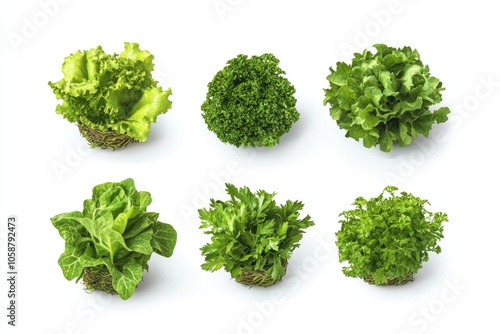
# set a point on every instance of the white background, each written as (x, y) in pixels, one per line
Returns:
(183, 164)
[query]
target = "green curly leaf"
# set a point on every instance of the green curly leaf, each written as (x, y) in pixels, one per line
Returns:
(250, 102)
(388, 237)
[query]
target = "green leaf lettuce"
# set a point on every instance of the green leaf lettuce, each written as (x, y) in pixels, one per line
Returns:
(111, 92)
(385, 98)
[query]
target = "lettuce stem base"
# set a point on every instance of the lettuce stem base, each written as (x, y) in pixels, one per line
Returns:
(259, 278)
(392, 281)
(104, 139)
(98, 279)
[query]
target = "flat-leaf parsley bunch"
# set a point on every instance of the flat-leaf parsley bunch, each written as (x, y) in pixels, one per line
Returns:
(385, 98)
(110, 242)
(386, 239)
(250, 102)
(252, 236)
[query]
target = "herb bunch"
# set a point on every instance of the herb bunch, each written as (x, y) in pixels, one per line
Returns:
(386, 239)
(250, 102)
(251, 236)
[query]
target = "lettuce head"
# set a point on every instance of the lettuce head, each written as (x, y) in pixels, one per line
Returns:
(111, 92)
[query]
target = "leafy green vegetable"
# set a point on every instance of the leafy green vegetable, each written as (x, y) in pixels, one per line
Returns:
(111, 241)
(385, 97)
(111, 94)
(252, 237)
(250, 103)
(387, 238)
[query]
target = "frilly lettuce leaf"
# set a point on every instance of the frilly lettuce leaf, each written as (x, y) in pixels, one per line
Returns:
(144, 112)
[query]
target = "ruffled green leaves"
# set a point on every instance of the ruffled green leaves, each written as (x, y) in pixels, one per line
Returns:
(388, 237)
(251, 233)
(250, 102)
(113, 231)
(385, 98)
(111, 92)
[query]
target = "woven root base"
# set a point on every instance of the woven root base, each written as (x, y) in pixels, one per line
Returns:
(258, 278)
(98, 279)
(104, 139)
(393, 281)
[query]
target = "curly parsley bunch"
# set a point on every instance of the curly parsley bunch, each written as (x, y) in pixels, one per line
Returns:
(385, 98)
(250, 103)
(386, 239)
